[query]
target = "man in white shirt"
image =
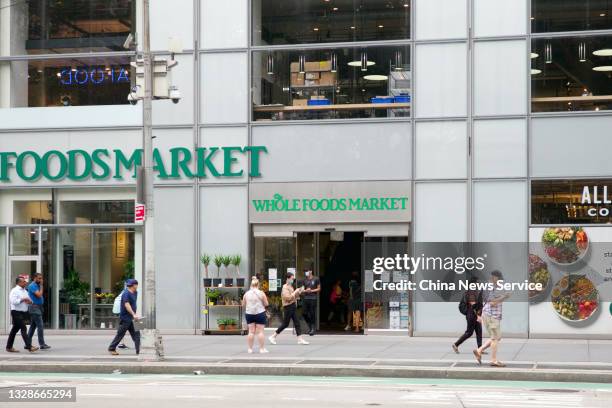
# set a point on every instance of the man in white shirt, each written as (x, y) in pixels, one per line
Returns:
(19, 301)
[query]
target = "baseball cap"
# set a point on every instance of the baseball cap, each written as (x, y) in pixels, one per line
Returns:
(131, 282)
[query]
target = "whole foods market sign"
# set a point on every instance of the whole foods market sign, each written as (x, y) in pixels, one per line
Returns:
(368, 201)
(102, 164)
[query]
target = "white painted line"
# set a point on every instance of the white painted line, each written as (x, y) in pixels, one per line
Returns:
(215, 397)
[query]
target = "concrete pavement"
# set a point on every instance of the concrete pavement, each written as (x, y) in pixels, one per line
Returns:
(332, 355)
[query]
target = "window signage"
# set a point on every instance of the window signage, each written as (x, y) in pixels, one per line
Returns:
(94, 76)
(368, 201)
(571, 201)
(103, 164)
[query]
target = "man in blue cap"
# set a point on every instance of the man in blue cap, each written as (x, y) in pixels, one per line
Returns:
(126, 317)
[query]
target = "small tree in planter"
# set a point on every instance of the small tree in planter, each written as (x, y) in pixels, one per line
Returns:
(205, 259)
(227, 260)
(218, 260)
(236, 260)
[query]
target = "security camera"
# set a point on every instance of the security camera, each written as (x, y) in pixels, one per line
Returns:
(175, 94)
(66, 100)
(132, 99)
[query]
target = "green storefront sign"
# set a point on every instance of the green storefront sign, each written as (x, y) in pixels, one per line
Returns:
(280, 204)
(102, 164)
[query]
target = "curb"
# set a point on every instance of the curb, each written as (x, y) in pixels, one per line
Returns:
(501, 374)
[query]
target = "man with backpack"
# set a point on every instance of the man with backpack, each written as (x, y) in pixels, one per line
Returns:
(127, 315)
(471, 306)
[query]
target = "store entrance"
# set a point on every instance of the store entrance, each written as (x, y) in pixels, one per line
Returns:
(335, 257)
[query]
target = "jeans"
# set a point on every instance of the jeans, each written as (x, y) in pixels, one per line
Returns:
(19, 319)
(472, 326)
(125, 326)
(36, 322)
(290, 313)
(310, 313)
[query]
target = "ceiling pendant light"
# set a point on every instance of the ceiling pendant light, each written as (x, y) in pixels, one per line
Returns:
(534, 55)
(302, 64)
(364, 61)
(376, 77)
(398, 61)
(603, 68)
(604, 52)
(334, 62)
(582, 52)
(270, 64)
(548, 53)
(535, 71)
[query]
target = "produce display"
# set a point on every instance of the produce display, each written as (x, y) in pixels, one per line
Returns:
(565, 245)
(575, 298)
(538, 273)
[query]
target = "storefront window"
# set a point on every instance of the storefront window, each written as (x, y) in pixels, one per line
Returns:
(570, 15)
(97, 212)
(332, 84)
(571, 74)
(68, 26)
(571, 201)
(92, 266)
(323, 21)
(32, 212)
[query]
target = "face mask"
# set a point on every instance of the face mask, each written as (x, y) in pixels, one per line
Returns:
(291, 281)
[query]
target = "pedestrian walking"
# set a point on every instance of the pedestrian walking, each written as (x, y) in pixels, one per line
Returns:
(335, 302)
(471, 306)
(127, 315)
(35, 292)
(312, 287)
(355, 305)
(491, 318)
(289, 297)
(255, 302)
(19, 301)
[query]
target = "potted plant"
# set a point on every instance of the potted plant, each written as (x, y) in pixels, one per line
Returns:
(227, 260)
(222, 324)
(231, 324)
(218, 261)
(75, 291)
(236, 260)
(205, 259)
(213, 296)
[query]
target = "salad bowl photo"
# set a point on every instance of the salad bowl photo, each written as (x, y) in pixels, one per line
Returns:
(538, 273)
(575, 298)
(565, 245)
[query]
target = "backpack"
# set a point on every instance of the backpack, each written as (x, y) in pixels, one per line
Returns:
(463, 306)
(117, 303)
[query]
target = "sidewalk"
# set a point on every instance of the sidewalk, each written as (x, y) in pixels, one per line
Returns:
(372, 355)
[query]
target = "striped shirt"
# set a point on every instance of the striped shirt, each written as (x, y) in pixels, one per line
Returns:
(493, 310)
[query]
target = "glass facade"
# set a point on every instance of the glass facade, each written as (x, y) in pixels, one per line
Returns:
(324, 21)
(570, 15)
(365, 82)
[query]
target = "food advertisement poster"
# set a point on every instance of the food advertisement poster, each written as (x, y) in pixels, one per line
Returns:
(574, 264)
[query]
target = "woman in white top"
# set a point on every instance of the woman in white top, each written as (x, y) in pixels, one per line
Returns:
(255, 302)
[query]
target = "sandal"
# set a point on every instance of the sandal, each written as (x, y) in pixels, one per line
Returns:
(478, 356)
(497, 364)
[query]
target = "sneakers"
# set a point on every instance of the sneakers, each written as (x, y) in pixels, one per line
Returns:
(45, 347)
(263, 351)
(12, 350)
(113, 352)
(347, 328)
(303, 342)
(250, 351)
(33, 349)
(455, 348)
(272, 339)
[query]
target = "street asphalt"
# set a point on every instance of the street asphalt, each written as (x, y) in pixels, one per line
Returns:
(330, 355)
(100, 391)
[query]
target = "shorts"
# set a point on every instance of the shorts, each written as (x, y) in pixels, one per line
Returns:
(259, 318)
(493, 326)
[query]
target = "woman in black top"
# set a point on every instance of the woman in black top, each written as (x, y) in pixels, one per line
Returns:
(473, 302)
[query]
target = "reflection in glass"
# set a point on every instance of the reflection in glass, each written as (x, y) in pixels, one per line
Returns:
(332, 83)
(570, 15)
(96, 212)
(23, 241)
(324, 21)
(70, 26)
(571, 74)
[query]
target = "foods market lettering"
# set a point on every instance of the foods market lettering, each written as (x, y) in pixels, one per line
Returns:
(596, 196)
(280, 204)
(101, 164)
